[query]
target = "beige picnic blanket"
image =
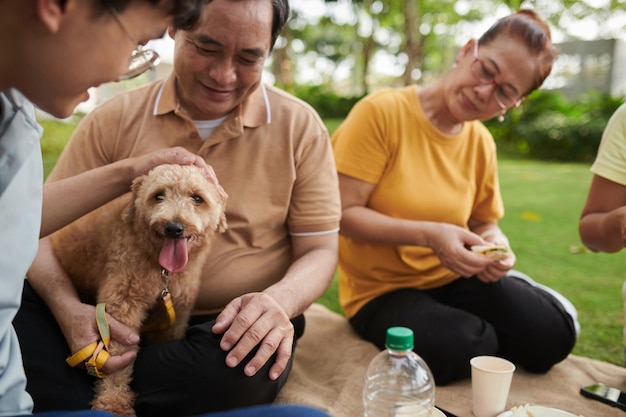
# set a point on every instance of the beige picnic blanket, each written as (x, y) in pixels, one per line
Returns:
(331, 360)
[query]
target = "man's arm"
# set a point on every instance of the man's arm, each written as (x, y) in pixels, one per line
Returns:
(263, 318)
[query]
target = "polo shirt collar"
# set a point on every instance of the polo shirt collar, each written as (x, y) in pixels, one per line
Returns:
(255, 111)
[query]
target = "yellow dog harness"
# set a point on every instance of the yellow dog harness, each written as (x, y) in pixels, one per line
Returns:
(96, 354)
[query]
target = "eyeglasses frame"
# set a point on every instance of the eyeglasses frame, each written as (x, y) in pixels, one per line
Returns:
(516, 103)
(150, 58)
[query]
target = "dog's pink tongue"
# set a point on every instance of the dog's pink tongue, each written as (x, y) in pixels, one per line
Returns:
(173, 256)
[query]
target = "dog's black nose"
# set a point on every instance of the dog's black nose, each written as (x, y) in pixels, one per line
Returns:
(174, 229)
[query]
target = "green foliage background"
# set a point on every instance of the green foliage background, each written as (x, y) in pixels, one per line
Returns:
(549, 127)
(546, 126)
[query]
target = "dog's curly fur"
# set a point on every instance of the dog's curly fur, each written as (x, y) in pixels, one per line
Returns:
(112, 256)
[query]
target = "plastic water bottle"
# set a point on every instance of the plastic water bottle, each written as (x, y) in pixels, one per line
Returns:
(398, 382)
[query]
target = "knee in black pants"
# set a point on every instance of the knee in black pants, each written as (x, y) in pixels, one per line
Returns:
(189, 377)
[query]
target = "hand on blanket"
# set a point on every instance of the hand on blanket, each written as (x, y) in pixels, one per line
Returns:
(252, 320)
(84, 331)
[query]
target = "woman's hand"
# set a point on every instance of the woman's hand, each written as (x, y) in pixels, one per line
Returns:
(497, 269)
(450, 243)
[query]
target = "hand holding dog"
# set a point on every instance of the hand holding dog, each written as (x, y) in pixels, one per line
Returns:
(80, 330)
(252, 320)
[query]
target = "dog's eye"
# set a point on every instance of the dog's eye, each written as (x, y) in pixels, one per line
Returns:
(197, 199)
(159, 197)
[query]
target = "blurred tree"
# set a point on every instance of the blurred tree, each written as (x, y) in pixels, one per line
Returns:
(417, 38)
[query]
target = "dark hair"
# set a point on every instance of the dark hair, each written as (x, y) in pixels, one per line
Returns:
(186, 13)
(527, 26)
(281, 16)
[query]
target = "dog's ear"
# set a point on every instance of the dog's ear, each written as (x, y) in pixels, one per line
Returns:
(136, 184)
(222, 225)
(128, 215)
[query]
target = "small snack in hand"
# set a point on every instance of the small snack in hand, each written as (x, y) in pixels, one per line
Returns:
(495, 252)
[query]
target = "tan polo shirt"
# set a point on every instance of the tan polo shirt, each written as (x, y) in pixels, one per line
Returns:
(272, 155)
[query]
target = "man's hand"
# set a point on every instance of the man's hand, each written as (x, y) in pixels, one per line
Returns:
(84, 331)
(252, 320)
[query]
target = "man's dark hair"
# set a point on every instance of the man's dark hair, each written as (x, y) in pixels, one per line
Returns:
(186, 13)
(281, 16)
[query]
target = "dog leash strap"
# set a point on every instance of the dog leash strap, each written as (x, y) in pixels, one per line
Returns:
(82, 355)
(100, 354)
(167, 299)
(97, 361)
(169, 307)
(103, 324)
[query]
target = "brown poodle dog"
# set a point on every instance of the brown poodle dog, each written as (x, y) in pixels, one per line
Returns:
(135, 250)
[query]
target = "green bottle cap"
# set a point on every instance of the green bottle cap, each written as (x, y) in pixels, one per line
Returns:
(399, 338)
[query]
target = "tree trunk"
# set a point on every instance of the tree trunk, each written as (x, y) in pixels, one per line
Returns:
(413, 45)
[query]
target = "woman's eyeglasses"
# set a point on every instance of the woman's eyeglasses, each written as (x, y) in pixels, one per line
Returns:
(141, 60)
(506, 96)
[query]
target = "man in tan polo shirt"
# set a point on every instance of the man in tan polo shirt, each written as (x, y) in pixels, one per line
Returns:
(272, 155)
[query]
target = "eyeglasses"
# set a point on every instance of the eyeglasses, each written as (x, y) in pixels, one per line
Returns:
(141, 60)
(506, 96)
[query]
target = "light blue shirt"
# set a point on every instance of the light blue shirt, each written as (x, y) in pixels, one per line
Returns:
(21, 179)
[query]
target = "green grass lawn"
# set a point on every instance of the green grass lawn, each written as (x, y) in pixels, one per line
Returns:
(543, 203)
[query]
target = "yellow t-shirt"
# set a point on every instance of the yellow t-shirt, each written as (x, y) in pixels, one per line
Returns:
(611, 160)
(420, 174)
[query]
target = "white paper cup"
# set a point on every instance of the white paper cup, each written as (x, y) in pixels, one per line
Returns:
(491, 381)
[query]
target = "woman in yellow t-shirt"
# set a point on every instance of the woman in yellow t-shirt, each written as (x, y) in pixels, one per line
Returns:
(419, 186)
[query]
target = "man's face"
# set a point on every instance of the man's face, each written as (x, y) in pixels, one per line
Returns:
(220, 63)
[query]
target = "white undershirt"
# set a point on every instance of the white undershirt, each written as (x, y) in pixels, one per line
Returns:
(207, 127)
